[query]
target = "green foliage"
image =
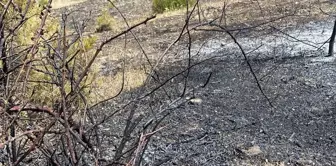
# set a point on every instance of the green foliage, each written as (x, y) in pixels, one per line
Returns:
(42, 84)
(42, 2)
(105, 22)
(160, 6)
(46, 93)
(39, 83)
(30, 27)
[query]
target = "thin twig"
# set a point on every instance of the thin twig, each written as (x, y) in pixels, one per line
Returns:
(248, 63)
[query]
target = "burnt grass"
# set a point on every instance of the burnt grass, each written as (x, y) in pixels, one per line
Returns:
(234, 116)
(298, 130)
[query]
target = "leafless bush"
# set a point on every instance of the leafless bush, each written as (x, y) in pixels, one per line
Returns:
(47, 117)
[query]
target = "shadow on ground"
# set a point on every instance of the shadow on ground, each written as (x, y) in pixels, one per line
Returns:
(234, 125)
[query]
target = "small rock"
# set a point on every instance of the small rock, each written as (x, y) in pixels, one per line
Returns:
(250, 151)
(305, 162)
(253, 151)
(194, 100)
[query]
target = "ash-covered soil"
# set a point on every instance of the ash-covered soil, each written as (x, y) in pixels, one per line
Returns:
(233, 117)
(235, 125)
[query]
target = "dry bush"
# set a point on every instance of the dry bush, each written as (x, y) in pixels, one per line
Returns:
(105, 22)
(53, 93)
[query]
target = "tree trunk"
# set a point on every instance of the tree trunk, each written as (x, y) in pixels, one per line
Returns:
(332, 41)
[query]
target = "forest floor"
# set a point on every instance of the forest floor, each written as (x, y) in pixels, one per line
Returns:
(234, 124)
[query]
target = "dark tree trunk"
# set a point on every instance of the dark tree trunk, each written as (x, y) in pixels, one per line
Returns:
(332, 41)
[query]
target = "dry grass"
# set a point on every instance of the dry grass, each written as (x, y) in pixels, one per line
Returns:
(62, 3)
(107, 86)
(239, 11)
(112, 85)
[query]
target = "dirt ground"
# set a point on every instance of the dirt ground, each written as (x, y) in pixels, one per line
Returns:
(234, 124)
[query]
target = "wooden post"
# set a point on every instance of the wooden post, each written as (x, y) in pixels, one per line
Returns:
(332, 41)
